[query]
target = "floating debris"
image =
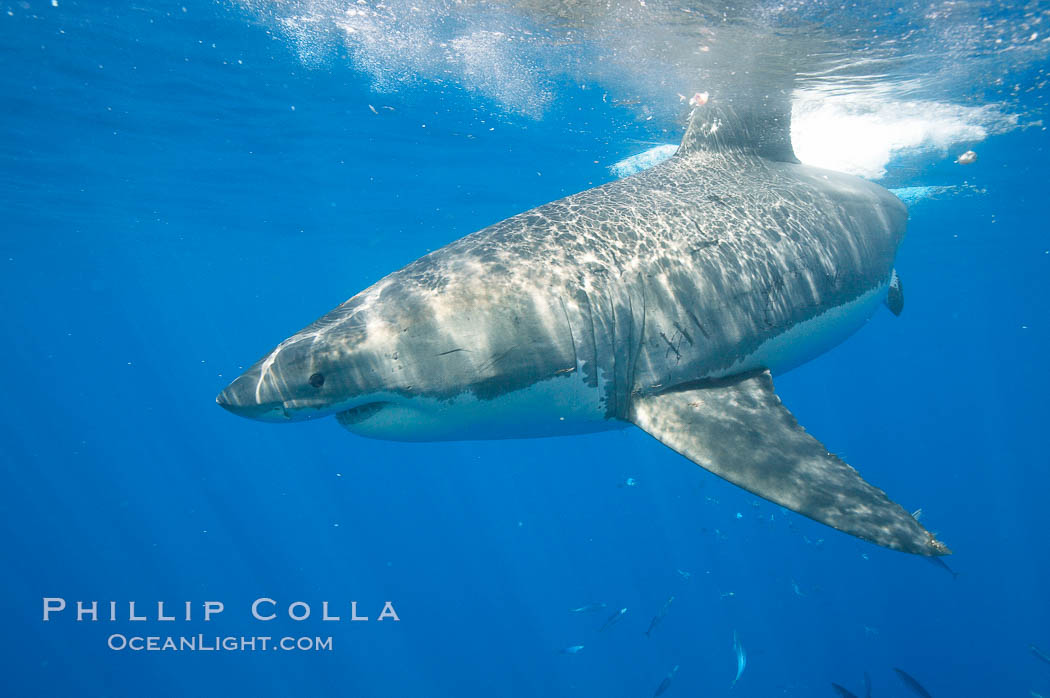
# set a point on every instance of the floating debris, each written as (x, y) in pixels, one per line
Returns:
(659, 616)
(613, 619)
(967, 158)
(699, 99)
(909, 681)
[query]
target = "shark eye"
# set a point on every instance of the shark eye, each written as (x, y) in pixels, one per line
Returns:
(317, 380)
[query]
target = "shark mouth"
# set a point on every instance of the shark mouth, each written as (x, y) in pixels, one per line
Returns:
(361, 413)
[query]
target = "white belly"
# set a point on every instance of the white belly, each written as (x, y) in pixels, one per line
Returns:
(808, 340)
(558, 406)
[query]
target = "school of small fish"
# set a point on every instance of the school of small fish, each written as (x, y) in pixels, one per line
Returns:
(910, 682)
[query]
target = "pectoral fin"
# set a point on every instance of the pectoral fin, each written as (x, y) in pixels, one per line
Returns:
(738, 429)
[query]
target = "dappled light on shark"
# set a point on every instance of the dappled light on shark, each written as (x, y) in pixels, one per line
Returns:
(665, 300)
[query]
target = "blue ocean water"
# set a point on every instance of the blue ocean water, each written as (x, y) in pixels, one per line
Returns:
(182, 189)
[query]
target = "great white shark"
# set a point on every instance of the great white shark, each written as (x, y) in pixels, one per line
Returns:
(665, 300)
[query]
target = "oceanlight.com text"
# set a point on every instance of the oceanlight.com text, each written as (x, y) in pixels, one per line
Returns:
(216, 643)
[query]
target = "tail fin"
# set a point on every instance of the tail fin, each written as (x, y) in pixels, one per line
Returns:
(895, 297)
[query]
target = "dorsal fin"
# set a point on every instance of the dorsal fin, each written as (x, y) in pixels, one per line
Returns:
(760, 127)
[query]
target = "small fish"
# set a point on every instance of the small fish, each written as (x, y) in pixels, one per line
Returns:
(659, 616)
(1039, 654)
(741, 658)
(685, 575)
(666, 683)
(843, 692)
(938, 562)
(911, 683)
(613, 618)
(917, 514)
(588, 608)
(794, 585)
(571, 650)
(1033, 694)
(867, 685)
(728, 594)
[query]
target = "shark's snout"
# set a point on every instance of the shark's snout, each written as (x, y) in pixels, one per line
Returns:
(247, 397)
(307, 376)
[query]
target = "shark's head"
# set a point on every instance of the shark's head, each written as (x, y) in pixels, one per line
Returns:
(399, 362)
(331, 366)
